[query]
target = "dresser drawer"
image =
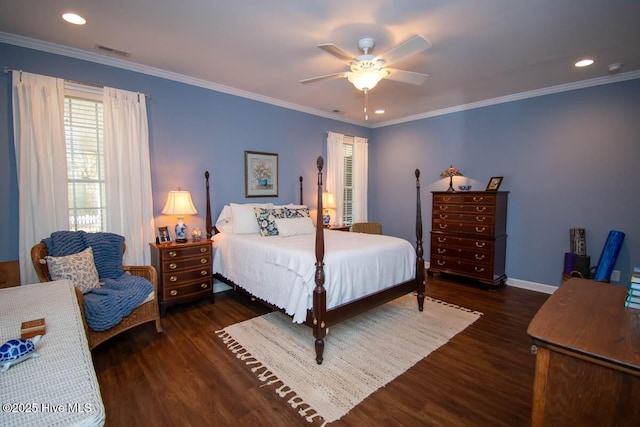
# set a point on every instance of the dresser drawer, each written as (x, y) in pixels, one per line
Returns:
(461, 208)
(463, 228)
(461, 267)
(185, 275)
(474, 218)
(178, 264)
(188, 289)
(176, 252)
(445, 240)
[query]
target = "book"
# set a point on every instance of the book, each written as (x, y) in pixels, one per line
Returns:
(634, 286)
(633, 298)
(635, 278)
(31, 328)
(632, 305)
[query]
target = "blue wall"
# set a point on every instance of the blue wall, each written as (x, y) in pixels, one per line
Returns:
(567, 159)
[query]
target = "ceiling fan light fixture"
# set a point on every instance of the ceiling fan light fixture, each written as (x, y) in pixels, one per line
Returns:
(74, 18)
(366, 79)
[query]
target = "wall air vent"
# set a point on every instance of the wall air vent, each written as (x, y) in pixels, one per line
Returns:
(112, 51)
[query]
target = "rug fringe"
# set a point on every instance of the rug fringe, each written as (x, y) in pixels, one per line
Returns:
(457, 307)
(268, 377)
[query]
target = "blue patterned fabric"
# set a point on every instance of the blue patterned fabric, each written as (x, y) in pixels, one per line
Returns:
(296, 212)
(120, 293)
(106, 306)
(106, 247)
(267, 220)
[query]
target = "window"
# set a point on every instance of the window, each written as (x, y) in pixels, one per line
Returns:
(347, 213)
(83, 115)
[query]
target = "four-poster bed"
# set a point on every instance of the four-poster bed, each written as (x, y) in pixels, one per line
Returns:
(390, 254)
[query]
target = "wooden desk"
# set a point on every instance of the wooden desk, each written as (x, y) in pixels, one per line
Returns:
(59, 387)
(588, 357)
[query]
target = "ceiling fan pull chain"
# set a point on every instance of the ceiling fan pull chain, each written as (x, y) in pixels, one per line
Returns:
(366, 103)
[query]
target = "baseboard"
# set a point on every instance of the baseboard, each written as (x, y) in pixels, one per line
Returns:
(524, 284)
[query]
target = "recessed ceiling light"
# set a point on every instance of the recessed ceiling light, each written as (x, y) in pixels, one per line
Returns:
(379, 111)
(584, 62)
(74, 18)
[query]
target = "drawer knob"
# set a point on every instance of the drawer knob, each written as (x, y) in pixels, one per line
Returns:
(480, 244)
(204, 272)
(446, 199)
(444, 216)
(480, 229)
(440, 262)
(534, 349)
(173, 266)
(478, 198)
(173, 292)
(203, 249)
(479, 257)
(441, 251)
(443, 226)
(204, 286)
(444, 208)
(481, 218)
(173, 278)
(203, 261)
(173, 253)
(442, 239)
(479, 269)
(481, 208)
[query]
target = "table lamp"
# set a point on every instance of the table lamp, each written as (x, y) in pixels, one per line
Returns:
(179, 204)
(328, 202)
(451, 172)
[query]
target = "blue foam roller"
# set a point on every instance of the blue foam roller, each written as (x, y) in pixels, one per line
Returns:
(609, 256)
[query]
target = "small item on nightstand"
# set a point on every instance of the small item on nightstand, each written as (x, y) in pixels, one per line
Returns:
(196, 234)
(31, 328)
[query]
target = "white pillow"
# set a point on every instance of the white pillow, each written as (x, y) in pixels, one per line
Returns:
(244, 218)
(224, 223)
(294, 226)
(78, 268)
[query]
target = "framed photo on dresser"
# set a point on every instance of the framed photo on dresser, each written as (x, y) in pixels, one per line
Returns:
(494, 183)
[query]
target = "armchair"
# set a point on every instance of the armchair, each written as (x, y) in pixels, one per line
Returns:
(146, 312)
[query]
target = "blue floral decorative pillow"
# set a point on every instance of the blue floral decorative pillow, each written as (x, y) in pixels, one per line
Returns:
(267, 220)
(296, 213)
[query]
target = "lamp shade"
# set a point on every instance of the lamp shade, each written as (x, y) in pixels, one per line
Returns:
(179, 203)
(328, 200)
(451, 171)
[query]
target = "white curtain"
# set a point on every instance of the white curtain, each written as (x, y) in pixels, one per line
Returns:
(41, 162)
(360, 178)
(335, 174)
(128, 172)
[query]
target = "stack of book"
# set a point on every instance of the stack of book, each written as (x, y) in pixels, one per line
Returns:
(633, 296)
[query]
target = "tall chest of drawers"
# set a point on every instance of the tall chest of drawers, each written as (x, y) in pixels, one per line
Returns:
(185, 272)
(468, 235)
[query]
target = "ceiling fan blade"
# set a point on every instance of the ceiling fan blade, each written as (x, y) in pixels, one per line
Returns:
(412, 46)
(325, 77)
(337, 52)
(406, 76)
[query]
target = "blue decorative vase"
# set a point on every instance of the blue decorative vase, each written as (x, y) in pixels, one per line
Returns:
(326, 219)
(262, 182)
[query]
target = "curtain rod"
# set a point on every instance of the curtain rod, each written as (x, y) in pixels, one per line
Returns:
(8, 70)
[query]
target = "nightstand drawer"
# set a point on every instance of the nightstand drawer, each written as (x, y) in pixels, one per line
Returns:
(188, 290)
(184, 275)
(182, 252)
(172, 265)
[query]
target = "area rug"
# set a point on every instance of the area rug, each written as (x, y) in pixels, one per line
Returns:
(361, 354)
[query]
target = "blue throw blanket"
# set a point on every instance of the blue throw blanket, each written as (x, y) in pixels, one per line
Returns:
(120, 293)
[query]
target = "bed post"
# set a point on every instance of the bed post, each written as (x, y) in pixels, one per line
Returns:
(301, 202)
(319, 293)
(208, 225)
(419, 250)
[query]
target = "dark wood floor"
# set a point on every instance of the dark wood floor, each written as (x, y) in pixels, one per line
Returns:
(186, 376)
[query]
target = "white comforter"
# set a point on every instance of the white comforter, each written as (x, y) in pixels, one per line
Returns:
(281, 270)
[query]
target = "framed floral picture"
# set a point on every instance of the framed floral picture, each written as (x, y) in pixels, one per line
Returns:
(260, 174)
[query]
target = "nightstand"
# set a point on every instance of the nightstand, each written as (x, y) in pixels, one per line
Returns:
(339, 227)
(185, 272)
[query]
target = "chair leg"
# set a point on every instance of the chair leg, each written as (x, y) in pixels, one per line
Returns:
(158, 325)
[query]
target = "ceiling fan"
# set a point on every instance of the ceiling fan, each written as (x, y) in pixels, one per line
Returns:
(367, 69)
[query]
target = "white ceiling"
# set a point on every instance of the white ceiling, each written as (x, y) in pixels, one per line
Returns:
(482, 49)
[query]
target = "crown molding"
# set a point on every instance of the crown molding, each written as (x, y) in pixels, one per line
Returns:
(84, 55)
(598, 81)
(157, 72)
